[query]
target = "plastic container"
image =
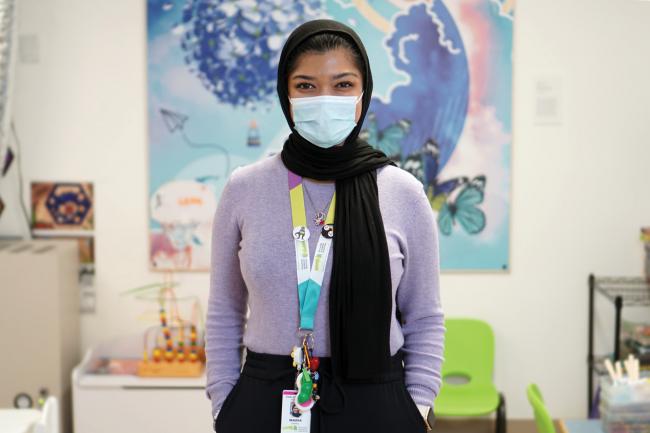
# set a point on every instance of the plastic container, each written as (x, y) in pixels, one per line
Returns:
(625, 407)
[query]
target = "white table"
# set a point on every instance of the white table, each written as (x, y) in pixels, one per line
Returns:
(18, 420)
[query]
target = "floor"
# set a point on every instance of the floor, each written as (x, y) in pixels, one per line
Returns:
(482, 426)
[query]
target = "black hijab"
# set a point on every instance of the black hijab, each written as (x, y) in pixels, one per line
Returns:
(360, 298)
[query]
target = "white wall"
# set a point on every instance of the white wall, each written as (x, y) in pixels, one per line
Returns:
(580, 190)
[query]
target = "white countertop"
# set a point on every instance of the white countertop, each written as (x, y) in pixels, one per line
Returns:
(18, 420)
(132, 381)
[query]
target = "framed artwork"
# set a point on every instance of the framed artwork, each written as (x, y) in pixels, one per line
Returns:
(59, 207)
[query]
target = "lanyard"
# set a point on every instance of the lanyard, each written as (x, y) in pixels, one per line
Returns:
(310, 276)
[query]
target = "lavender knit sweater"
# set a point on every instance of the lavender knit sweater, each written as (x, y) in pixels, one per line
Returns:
(253, 268)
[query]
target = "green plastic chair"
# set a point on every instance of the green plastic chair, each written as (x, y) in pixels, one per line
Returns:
(469, 353)
(543, 420)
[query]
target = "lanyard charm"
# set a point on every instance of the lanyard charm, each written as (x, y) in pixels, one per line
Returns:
(307, 375)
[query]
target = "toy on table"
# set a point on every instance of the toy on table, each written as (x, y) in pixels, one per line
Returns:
(176, 352)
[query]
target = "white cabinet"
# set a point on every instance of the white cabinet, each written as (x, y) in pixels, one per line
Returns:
(39, 322)
(132, 404)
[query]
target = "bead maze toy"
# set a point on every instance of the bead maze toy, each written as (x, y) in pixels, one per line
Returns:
(186, 358)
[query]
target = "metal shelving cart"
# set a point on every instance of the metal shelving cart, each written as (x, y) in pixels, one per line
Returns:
(622, 292)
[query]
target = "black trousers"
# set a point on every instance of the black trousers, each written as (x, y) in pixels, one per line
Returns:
(254, 404)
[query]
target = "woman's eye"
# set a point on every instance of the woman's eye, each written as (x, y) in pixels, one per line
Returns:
(345, 84)
(304, 86)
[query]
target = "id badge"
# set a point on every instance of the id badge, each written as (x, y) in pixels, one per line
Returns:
(292, 419)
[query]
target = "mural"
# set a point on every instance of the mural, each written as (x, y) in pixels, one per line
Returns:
(441, 109)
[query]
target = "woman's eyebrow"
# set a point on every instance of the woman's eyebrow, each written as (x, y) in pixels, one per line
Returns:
(344, 74)
(334, 77)
(302, 77)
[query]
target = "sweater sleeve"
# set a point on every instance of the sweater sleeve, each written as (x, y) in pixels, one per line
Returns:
(418, 297)
(227, 300)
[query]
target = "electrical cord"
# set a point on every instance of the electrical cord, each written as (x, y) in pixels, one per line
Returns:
(20, 178)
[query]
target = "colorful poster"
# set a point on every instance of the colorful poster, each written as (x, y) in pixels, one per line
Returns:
(441, 109)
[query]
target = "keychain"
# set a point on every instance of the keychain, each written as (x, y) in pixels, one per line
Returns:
(307, 374)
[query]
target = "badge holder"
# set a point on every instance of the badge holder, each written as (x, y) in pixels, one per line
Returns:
(297, 402)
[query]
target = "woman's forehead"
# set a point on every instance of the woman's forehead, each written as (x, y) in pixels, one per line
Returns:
(329, 63)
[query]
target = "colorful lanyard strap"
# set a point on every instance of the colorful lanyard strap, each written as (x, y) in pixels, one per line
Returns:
(310, 280)
(310, 276)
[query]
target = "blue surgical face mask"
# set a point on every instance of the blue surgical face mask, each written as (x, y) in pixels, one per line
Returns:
(325, 120)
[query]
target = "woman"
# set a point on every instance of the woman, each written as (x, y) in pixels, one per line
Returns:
(335, 251)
